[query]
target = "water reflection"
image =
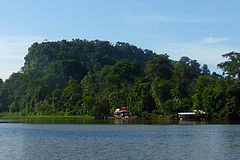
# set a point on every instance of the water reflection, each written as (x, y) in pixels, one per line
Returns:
(192, 122)
(114, 121)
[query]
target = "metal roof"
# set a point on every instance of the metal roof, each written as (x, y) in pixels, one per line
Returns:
(186, 113)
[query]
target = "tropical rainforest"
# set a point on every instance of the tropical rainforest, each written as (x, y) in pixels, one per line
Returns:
(81, 77)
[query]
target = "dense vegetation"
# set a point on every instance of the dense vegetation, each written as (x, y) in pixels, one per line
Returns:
(81, 77)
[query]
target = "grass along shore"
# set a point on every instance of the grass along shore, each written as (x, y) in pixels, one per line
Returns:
(18, 116)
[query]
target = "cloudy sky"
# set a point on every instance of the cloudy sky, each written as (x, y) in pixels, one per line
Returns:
(200, 29)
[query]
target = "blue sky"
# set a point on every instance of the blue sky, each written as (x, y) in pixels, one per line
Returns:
(200, 29)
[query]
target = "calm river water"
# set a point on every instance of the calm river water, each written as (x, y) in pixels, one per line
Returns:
(26, 140)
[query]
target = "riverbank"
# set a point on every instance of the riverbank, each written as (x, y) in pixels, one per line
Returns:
(23, 116)
(17, 116)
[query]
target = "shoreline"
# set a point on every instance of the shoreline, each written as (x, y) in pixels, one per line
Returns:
(7, 116)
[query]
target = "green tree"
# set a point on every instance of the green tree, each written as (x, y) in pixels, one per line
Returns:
(184, 74)
(230, 109)
(213, 98)
(232, 66)
(205, 70)
(143, 100)
(72, 94)
(90, 89)
(159, 66)
(201, 83)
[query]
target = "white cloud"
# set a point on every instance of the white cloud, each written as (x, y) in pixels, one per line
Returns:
(203, 53)
(214, 40)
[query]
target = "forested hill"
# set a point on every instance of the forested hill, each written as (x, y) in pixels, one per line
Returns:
(81, 56)
(81, 77)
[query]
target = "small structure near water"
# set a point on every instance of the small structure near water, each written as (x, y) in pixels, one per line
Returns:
(195, 115)
(122, 113)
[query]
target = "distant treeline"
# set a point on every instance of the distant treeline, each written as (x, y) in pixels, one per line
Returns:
(81, 77)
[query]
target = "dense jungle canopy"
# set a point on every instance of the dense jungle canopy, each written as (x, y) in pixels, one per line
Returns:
(81, 77)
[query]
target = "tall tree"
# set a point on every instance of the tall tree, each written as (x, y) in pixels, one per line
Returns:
(205, 70)
(231, 67)
(184, 74)
(159, 66)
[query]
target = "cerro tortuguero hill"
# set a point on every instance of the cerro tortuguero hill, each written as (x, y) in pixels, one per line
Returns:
(81, 77)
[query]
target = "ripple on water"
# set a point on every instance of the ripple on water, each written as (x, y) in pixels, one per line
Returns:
(68, 141)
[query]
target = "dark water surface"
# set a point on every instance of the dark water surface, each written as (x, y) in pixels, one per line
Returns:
(31, 140)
